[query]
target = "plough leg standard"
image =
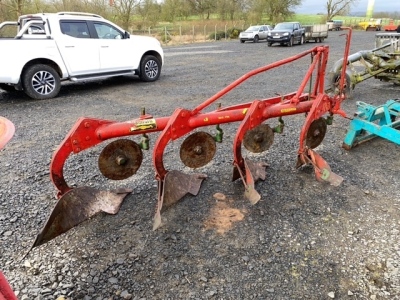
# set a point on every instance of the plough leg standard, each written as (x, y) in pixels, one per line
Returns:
(122, 158)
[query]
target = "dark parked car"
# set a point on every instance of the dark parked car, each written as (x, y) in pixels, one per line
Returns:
(287, 33)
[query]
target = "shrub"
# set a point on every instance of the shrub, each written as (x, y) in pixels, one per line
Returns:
(217, 36)
(233, 33)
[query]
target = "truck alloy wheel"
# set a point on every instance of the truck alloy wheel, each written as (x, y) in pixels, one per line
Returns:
(41, 82)
(150, 68)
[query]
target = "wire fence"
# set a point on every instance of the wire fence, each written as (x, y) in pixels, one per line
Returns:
(183, 34)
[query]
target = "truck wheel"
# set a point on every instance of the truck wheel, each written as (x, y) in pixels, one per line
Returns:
(301, 41)
(150, 68)
(256, 38)
(41, 82)
(269, 44)
(290, 43)
(242, 41)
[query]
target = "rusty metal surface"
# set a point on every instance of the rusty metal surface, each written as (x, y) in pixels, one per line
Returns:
(316, 133)
(120, 159)
(252, 172)
(77, 206)
(259, 139)
(198, 149)
(174, 187)
(177, 184)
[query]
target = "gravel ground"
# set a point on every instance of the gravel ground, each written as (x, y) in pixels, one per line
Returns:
(303, 240)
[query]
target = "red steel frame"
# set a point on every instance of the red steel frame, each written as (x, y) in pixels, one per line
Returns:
(88, 132)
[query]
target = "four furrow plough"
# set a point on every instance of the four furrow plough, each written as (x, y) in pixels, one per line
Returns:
(122, 157)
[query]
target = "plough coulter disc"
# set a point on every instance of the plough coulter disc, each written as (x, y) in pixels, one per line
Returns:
(120, 159)
(259, 139)
(316, 133)
(197, 150)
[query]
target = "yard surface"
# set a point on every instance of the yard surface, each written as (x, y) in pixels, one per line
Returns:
(303, 240)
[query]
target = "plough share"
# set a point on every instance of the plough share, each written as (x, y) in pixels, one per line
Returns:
(122, 158)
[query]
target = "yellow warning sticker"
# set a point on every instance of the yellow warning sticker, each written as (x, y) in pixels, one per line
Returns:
(288, 110)
(145, 124)
(244, 111)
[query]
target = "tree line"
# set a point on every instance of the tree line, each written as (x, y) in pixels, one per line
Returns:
(149, 13)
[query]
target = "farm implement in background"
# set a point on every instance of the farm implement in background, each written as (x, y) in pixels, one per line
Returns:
(373, 121)
(122, 158)
(382, 62)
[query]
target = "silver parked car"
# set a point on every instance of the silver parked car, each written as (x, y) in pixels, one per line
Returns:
(255, 33)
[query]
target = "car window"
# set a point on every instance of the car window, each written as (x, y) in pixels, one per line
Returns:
(106, 31)
(75, 29)
(253, 28)
(35, 29)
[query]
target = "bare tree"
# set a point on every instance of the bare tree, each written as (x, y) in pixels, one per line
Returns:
(13, 6)
(202, 7)
(149, 12)
(276, 10)
(125, 10)
(228, 8)
(176, 9)
(279, 10)
(338, 7)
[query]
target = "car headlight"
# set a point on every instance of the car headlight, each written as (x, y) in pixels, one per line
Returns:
(286, 33)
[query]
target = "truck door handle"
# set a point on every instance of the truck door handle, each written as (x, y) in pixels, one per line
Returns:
(69, 46)
(104, 46)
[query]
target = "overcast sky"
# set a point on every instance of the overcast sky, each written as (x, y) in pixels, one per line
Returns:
(317, 6)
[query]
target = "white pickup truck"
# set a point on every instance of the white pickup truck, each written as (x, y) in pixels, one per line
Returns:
(51, 48)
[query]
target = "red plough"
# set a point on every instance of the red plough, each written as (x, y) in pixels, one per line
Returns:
(7, 130)
(122, 158)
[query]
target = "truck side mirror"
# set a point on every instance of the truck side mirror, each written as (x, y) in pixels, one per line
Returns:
(126, 35)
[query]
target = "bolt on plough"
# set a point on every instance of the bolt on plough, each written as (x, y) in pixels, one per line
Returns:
(122, 158)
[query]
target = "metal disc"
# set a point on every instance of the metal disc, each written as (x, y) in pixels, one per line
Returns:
(316, 133)
(258, 139)
(120, 159)
(198, 149)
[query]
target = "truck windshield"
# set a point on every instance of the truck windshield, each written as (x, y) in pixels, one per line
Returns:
(283, 26)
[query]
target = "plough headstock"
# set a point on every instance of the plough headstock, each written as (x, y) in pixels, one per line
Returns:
(122, 158)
